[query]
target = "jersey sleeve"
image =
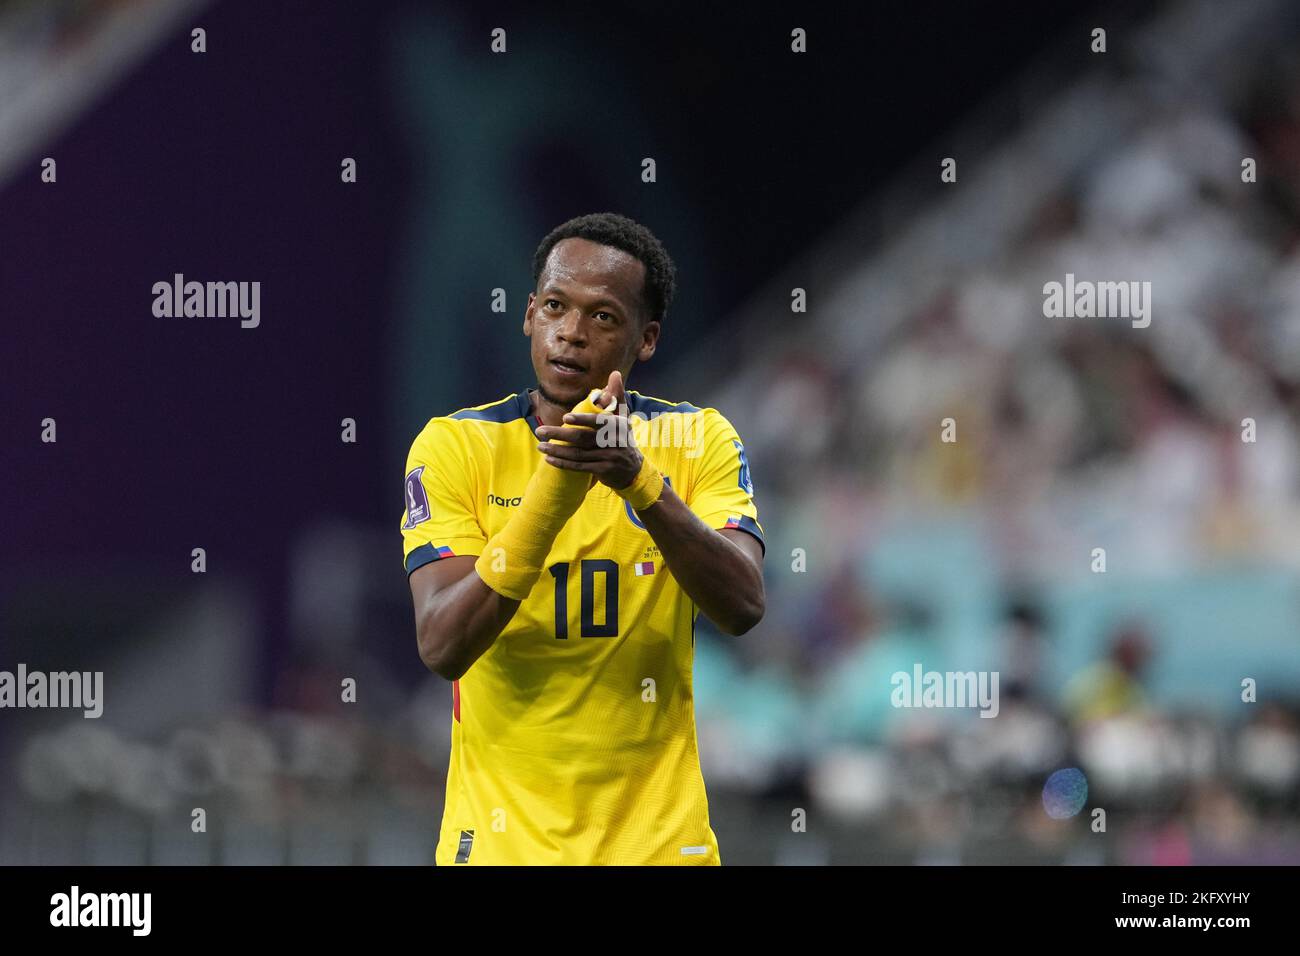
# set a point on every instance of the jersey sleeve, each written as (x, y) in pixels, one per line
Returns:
(722, 494)
(439, 520)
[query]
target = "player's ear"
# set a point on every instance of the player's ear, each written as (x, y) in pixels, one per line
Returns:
(528, 315)
(649, 340)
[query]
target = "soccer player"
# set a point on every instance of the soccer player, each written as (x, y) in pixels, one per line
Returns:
(559, 543)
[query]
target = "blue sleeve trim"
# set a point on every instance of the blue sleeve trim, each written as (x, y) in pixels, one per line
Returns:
(750, 526)
(424, 554)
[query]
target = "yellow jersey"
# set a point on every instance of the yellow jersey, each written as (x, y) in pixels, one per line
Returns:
(573, 737)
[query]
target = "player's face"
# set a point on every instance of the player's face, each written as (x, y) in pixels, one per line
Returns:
(585, 319)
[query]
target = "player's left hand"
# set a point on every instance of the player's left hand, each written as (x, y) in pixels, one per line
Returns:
(616, 465)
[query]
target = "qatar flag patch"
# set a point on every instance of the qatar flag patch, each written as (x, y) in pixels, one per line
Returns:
(643, 568)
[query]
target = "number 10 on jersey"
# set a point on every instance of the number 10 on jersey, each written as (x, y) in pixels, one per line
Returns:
(588, 568)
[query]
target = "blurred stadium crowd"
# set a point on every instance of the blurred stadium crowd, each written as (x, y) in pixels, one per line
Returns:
(1072, 435)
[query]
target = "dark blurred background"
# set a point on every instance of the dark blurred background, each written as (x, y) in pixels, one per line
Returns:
(774, 171)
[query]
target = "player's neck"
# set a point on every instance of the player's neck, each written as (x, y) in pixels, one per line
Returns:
(548, 412)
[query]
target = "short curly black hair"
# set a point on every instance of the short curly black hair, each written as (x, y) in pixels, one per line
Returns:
(611, 229)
